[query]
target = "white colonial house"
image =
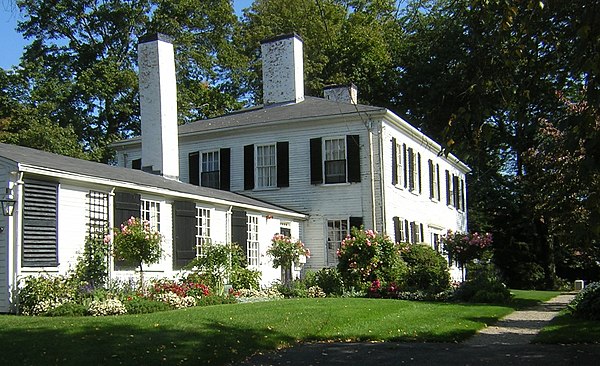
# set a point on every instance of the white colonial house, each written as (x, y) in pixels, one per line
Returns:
(58, 202)
(342, 163)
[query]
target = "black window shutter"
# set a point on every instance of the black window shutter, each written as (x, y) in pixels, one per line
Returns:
(316, 161)
(455, 201)
(126, 205)
(40, 224)
(397, 229)
(437, 172)
(448, 198)
(431, 175)
(353, 161)
(394, 162)
(462, 194)
(283, 164)
(420, 181)
(239, 229)
(406, 231)
(356, 222)
(136, 164)
(404, 165)
(411, 169)
(194, 168)
(184, 233)
(224, 169)
(248, 167)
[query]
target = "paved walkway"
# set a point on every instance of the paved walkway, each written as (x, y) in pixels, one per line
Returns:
(506, 343)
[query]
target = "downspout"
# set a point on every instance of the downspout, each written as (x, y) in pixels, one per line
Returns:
(111, 234)
(372, 173)
(382, 180)
(16, 237)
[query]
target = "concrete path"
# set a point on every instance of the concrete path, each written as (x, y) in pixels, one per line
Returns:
(506, 343)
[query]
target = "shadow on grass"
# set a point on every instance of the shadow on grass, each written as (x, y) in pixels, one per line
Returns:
(101, 343)
(567, 329)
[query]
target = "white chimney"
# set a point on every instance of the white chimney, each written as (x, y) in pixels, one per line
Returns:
(341, 93)
(283, 70)
(158, 105)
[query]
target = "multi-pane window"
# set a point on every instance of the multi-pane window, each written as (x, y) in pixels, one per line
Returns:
(434, 181)
(416, 231)
(98, 215)
(449, 189)
(414, 170)
(150, 211)
(202, 230)
(400, 176)
(336, 232)
(286, 229)
(252, 241)
(335, 160)
(266, 166)
(209, 177)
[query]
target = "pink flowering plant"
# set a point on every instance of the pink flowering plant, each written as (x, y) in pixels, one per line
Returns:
(466, 247)
(367, 256)
(137, 242)
(284, 252)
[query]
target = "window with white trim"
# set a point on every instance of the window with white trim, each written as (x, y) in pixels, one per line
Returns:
(416, 232)
(434, 181)
(401, 165)
(285, 229)
(337, 230)
(252, 253)
(335, 160)
(210, 169)
(414, 170)
(150, 211)
(266, 166)
(202, 230)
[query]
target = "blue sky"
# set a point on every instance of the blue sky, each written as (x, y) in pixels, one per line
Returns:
(11, 42)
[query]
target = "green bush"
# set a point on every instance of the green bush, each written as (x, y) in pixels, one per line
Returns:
(216, 300)
(142, 305)
(427, 269)
(68, 309)
(295, 288)
(92, 264)
(39, 294)
(484, 286)
(330, 280)
(586, 304)
(368, 256)
(244, 278)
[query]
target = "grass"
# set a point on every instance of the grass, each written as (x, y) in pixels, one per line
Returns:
(227, 333)
(524, 298)
(565, 329)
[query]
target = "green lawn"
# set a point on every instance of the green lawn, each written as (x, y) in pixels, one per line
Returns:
(226, 333)
(566, 329)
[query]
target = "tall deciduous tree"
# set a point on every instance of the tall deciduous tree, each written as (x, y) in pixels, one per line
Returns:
(81, 64)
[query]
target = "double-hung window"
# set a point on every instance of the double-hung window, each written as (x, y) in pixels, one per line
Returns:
(252, 241)
(209, 177)
(434, 181)
(335, 160)
(266, 166)
(337, 230)
(150, 211)
(202, 230)
(399, 166)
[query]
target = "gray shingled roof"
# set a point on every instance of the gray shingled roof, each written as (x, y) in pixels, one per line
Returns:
(45, 160)
(311, 107)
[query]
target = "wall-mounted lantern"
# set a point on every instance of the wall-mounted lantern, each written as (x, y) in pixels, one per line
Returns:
(8, 203)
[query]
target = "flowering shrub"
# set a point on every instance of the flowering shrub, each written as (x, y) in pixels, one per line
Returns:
(315, 291)
(248, 295)
(176, 301)
(184, 289)
(106, 307)
(465, 247)
(137, 242)
(285, 251)
(367, 256)
(39, 294)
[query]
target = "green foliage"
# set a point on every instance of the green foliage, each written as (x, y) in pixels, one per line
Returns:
(296, 288)
(368, 256)
(330, 280)
(484, 286)
(91, 266)
(245, 278)
(466, 247)
(39, 294)
(586, 304)
(68, 309)
(223, 263)
(138, 243)
(427, 269)
(216, 300)
(284, 251)
(143, 305)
